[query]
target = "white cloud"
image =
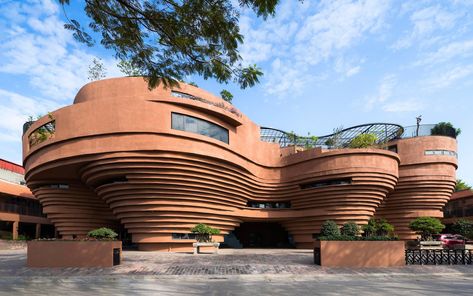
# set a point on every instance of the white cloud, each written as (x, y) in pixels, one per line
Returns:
(15, 109)
(426, 21)
(403, 106)
(453, 50)
(449, 77)
(303, 36)
(36, 45)
(384, 92)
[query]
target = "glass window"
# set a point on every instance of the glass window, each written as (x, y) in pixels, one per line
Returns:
(199, 126)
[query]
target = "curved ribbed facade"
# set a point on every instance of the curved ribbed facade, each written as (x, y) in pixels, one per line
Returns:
(158, 162)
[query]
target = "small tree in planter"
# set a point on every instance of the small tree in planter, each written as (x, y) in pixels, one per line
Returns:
(426, 227)
(350, 229)
(378, 227)
(204, 232)
(329, 229)
(103, 233)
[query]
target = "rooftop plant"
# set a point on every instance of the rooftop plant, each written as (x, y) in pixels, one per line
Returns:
(103, 233)
(445, 129)
(426, 227)
(363, 141)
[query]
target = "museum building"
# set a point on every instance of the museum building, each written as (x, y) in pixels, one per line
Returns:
(157, 162)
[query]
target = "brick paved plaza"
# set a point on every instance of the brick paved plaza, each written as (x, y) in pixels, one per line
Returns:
(232, 272)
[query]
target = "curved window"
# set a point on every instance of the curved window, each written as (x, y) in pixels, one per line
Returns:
(199, 126)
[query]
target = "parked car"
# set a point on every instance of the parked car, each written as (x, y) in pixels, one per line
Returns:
(451, 241)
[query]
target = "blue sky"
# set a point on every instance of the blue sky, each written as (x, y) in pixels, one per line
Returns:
(326, 63)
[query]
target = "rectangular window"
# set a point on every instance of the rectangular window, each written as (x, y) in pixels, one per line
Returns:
(199, 126)
(183, 236)
(440, 152)
(326, 183)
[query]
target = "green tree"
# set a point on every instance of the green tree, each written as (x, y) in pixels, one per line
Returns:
(426, 226)
(204, 232)
(445, 129)
(96, 70)
(461, 185)
(329, 228)
(463, 227)
(226, 95)
(128, 68)
(169, 40)
(350, 229)
(363, 141)
(377, 227)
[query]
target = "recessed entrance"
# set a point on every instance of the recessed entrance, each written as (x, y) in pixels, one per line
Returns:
(263, 235)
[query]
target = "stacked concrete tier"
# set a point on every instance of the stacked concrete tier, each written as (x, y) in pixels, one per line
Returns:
(426, 182)
(116, 150)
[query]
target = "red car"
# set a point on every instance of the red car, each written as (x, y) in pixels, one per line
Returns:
(451, 241)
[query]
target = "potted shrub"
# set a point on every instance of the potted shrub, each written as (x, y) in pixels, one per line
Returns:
(99, 249)
(204, 232)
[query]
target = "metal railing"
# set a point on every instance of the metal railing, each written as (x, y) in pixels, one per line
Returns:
(428, 130)
(439, 257)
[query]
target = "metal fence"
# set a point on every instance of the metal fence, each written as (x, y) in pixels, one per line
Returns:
(439, 257)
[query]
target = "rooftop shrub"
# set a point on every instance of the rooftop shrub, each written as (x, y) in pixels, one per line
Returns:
(363, 141)
(445, 129)
(426, 227)
(461, 185)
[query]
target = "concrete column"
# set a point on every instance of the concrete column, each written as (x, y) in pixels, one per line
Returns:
(15, 229)
(38, 231)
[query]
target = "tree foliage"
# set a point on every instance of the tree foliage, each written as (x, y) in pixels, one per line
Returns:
(329, 228)
(102, 233)
(461, 185)
(96, 70)
(426, 226)
(350, 229)
(445, 129)
(378, 227)
(128, 68)
(204, 232)
(463, 227)
(168, 40)
(226, 95)
(363, 141)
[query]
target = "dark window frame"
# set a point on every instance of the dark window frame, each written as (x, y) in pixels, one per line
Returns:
(199, 121)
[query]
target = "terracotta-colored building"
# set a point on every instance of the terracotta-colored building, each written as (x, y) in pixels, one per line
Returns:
(20, 212)
(158, 162)
(460, 206)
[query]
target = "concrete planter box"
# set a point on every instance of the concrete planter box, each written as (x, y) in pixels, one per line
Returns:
(359, 253)
(63, 253)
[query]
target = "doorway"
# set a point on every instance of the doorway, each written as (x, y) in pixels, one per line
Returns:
(263, 235)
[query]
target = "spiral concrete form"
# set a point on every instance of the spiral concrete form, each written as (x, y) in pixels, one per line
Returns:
(114, 158)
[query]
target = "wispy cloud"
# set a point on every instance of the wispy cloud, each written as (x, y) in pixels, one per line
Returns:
(306, 35)
(425, 22)
(36, 45)
(445, 53)
(449, 77)
(403, 106)
(384, 92)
